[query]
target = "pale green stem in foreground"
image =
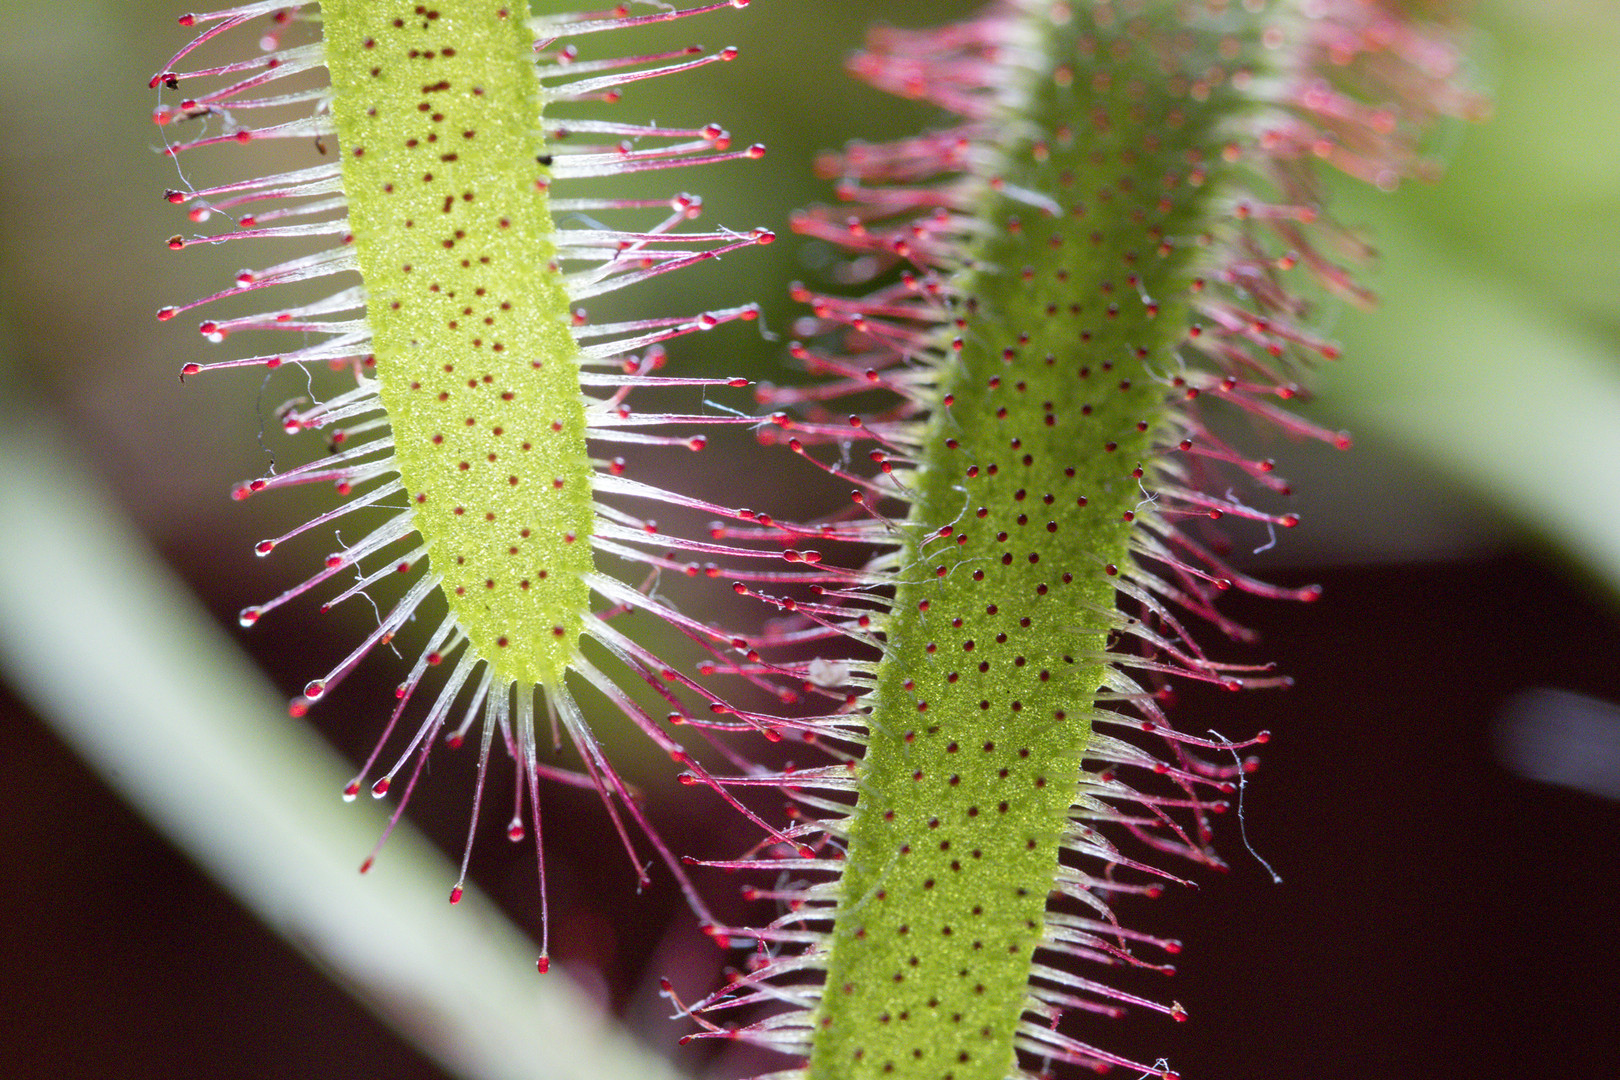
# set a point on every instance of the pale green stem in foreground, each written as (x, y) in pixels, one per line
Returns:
(111, 651)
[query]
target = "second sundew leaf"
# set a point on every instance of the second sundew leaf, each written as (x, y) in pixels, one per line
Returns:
(1027, 488)
(1094, 253)
(477, 366)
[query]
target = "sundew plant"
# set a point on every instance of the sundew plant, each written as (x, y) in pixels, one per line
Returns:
(1065, 288)
(485, 405)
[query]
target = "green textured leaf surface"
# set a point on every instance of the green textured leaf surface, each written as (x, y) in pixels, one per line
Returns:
(1034, 469)
(438, 109)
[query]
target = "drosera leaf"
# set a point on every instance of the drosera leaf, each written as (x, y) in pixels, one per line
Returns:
(1069, 283)
(485, 405)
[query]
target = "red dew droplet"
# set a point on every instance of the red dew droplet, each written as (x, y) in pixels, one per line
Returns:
(189, 369)
(352, 791)
(514, 831)
(264, 547)
(176, 242)
(455, 895)
(543, 964)
(248, 616)
(297, 707)
(315, 689)
(380, 788)
(365, 867)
